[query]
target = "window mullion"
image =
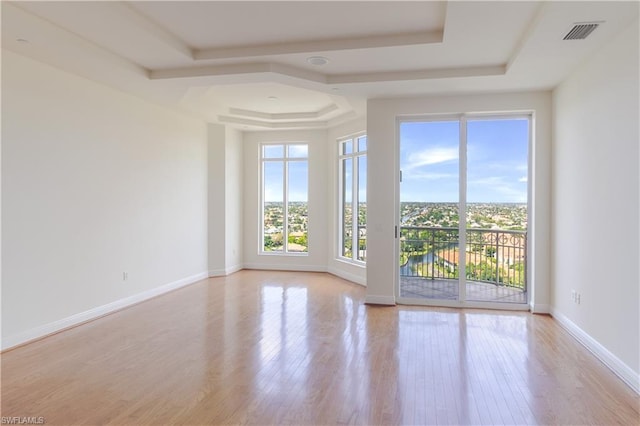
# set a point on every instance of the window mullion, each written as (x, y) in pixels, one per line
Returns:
(341, 207)
(462, 211)
(262, 199)
(355, 237)
(285, 209)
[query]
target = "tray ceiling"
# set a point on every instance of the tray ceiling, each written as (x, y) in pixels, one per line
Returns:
(246, 63)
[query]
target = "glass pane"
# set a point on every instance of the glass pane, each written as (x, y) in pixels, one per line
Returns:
(362, 143)
(429, 206)
(297, 151)
(362, 207)
(347, 147)
(273, 151)
(273, 220)
(298, 210)
(347, 214)
(497, 171)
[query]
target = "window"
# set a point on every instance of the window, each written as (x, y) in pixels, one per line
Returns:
(353, 198)
(284, 218)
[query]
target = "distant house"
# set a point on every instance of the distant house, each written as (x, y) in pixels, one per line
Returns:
(450, 258)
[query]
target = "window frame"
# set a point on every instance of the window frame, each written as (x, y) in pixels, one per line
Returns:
(354, 155)
(284, 160)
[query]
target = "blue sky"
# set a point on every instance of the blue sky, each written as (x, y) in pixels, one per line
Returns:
(496, 161)
(274, 170)
(362, 179)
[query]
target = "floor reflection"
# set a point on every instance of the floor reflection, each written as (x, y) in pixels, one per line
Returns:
(283, 341)
(275, 347)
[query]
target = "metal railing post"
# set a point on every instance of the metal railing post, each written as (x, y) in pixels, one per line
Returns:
(496, 257)
(433, 254)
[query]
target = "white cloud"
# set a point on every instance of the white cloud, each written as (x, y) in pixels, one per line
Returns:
(523, 179)
(417, 175)
(503, 166)
(487, 181)
(272, 194)
(431, 156)
(297, 196)
(495, 187)
(298, 151)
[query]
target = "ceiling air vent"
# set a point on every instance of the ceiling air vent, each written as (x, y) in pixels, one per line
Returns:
(581, 31)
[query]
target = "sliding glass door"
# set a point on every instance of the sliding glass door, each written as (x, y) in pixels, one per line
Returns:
(429, 208)
(463, 209)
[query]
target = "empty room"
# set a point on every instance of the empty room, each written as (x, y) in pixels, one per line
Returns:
(320, 212)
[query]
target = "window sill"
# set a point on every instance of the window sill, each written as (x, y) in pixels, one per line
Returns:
(283, 254)
(357, 263)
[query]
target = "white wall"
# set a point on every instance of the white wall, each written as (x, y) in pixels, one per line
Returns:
(234, 178)
(319, 193)
(595, 202)
(225, 199)
(216, 187)
(383, 177)
(341, 268)
(94, 183)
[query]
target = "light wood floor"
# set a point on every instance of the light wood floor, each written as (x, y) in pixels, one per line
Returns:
(302, 348)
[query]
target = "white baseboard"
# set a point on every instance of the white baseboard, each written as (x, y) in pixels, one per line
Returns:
(224, 272)
(92, 314)
(233, 269)
(621, 369)
(348, 276)
(217, 273)
(380, 300)
(537, 308)
(276, 267)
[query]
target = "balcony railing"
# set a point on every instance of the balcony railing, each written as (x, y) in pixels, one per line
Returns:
(492, 256)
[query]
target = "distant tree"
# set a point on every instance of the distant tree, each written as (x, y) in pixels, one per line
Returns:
(301, 240)
(414, 245)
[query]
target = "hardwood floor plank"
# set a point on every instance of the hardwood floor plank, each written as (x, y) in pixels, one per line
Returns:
(300, 348)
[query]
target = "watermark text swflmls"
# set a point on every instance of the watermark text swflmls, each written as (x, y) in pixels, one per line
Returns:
(24, 420)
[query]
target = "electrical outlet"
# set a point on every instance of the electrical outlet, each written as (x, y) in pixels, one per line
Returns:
(575, 296)
(125, 276)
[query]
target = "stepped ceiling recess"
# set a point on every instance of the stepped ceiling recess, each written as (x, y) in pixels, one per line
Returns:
(290, 65)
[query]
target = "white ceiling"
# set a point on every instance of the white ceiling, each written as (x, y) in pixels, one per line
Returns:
(245, 63)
